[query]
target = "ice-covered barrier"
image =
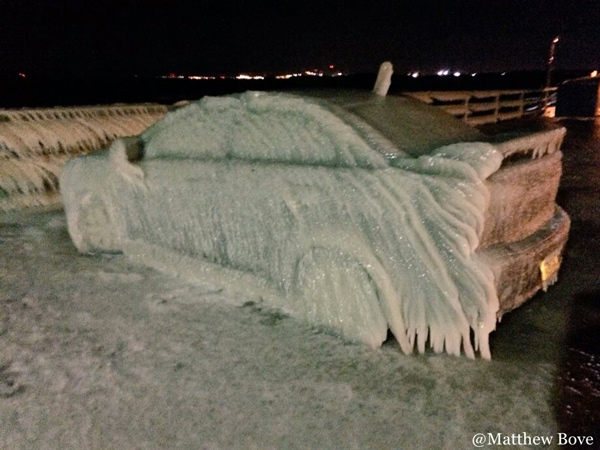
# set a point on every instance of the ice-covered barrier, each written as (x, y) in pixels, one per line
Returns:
(307, 204)
(35, 143)
(533, 145)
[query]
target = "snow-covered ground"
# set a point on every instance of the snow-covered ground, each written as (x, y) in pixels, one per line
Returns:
(96, 352)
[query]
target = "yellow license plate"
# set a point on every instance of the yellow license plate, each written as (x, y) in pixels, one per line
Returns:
(549, 270)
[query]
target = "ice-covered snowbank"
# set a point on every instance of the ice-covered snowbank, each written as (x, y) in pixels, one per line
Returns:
(291, 193)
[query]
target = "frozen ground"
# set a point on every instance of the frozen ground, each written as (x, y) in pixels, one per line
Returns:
(98, 353)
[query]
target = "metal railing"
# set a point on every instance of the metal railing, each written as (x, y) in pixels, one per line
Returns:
(480, 107)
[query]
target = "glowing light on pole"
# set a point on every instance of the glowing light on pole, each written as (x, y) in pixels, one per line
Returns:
(550, 63)
(549, 67)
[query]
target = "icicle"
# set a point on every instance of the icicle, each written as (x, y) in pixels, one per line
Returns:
(536, 145)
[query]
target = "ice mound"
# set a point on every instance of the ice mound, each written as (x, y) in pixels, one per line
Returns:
(301, 202)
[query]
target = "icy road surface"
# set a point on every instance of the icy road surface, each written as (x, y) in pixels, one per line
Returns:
(98, 353)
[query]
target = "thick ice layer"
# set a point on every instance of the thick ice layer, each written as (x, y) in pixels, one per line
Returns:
(35, 144)
(534, 144)
(292, 199)
(259, 127)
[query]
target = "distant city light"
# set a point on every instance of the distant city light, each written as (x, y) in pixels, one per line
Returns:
(287, 76)
(414, 74)
(331, 66)
(22, 75)
(456, 74)
(243, 76)
(443, 72)
(473, 74)
(594, 74)
(174, 76)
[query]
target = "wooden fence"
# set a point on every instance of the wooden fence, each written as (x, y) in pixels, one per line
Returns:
(480, 107)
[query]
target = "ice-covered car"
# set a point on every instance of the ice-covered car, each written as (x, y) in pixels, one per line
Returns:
(356, 212)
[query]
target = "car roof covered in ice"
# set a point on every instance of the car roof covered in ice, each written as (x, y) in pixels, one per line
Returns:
(414, 127)
(333, 128)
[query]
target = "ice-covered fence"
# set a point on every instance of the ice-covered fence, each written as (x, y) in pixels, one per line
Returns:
(479, 107)
(35, 143)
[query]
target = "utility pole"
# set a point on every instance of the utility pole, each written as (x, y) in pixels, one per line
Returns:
(549, 67)
(550, 63)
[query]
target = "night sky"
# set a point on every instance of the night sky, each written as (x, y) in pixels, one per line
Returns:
(97, 37)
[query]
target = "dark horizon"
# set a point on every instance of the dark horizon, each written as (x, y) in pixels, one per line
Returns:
(43, 91)
(127, 37)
